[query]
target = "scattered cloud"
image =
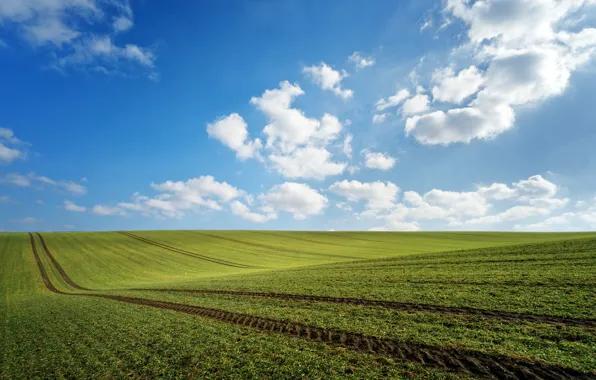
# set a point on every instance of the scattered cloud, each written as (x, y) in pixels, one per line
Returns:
(68, 31)
(41, 182)
(379, 118)
(298, 199)
(329, 79)
(360, 61)
(11, 148)
(377, 160)
(240, 209)
(71, 206)
(5, 199)
(377, 195)
(107, 211)
(232, 132)
(392, 101)
(526, 56)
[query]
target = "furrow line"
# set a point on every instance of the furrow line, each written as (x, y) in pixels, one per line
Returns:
(58, 267)
(185, 252)
(406, 306)
(470, 362)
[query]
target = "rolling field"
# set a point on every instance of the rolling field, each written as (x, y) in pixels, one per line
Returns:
(264, 304)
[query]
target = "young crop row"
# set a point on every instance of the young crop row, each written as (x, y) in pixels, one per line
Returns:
(465, 361)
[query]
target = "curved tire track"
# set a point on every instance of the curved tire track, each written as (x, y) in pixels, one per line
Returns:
(58, 267)
(407, 306)
(185, 252)
(472, 363)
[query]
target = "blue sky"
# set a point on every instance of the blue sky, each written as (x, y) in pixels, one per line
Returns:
(308, 115)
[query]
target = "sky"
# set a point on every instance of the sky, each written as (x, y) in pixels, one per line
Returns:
(298, 115)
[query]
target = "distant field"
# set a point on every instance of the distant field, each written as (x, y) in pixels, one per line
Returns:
(238, 304)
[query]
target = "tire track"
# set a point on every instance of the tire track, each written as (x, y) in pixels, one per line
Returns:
(272, 247)
(472, 363)
(58, 267)
(185, 252)
(406, 306)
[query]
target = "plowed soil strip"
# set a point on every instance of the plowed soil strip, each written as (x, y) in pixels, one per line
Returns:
(185, 252)
(272, 247)
(472, 363)
(407, 306)
(58, 267)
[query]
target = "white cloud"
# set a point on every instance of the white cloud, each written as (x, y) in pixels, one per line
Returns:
(453, 88)
(68, 30)
(232, 132)
(397, 225)
(308, 162)
(5, 199)
(177, 198)
(296, 144)
(377, 160)
(416, 104)
(528, 58)
(11, 148)
(392, 101)
(17, 179)
(378, 195)
(298, 199)
(329, 79)
(240, 209)
(360, 61)
(379, 118)
(107, 210)
(71, 206)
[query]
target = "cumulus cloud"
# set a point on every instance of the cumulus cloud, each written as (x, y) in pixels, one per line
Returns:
(347, 145)
(329, 79)
(232, 132)
(360, 61)
(528, 57)
(298, 199)
(485, 206)
(377, 160)
(378, 195)
(416, 104)
(68, 30)
(453, 88)
(308, 162)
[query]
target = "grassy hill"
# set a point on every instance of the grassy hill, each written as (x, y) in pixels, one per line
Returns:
(290, 304)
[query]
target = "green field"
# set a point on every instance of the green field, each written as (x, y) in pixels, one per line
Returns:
(264, 304)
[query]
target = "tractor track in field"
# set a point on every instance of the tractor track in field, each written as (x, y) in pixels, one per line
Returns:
(472, 363)
(405, 306)
(58, 267)
(272, 247)
(185, 252)
(395, 305)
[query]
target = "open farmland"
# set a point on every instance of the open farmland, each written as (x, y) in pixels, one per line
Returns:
(291, 304)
